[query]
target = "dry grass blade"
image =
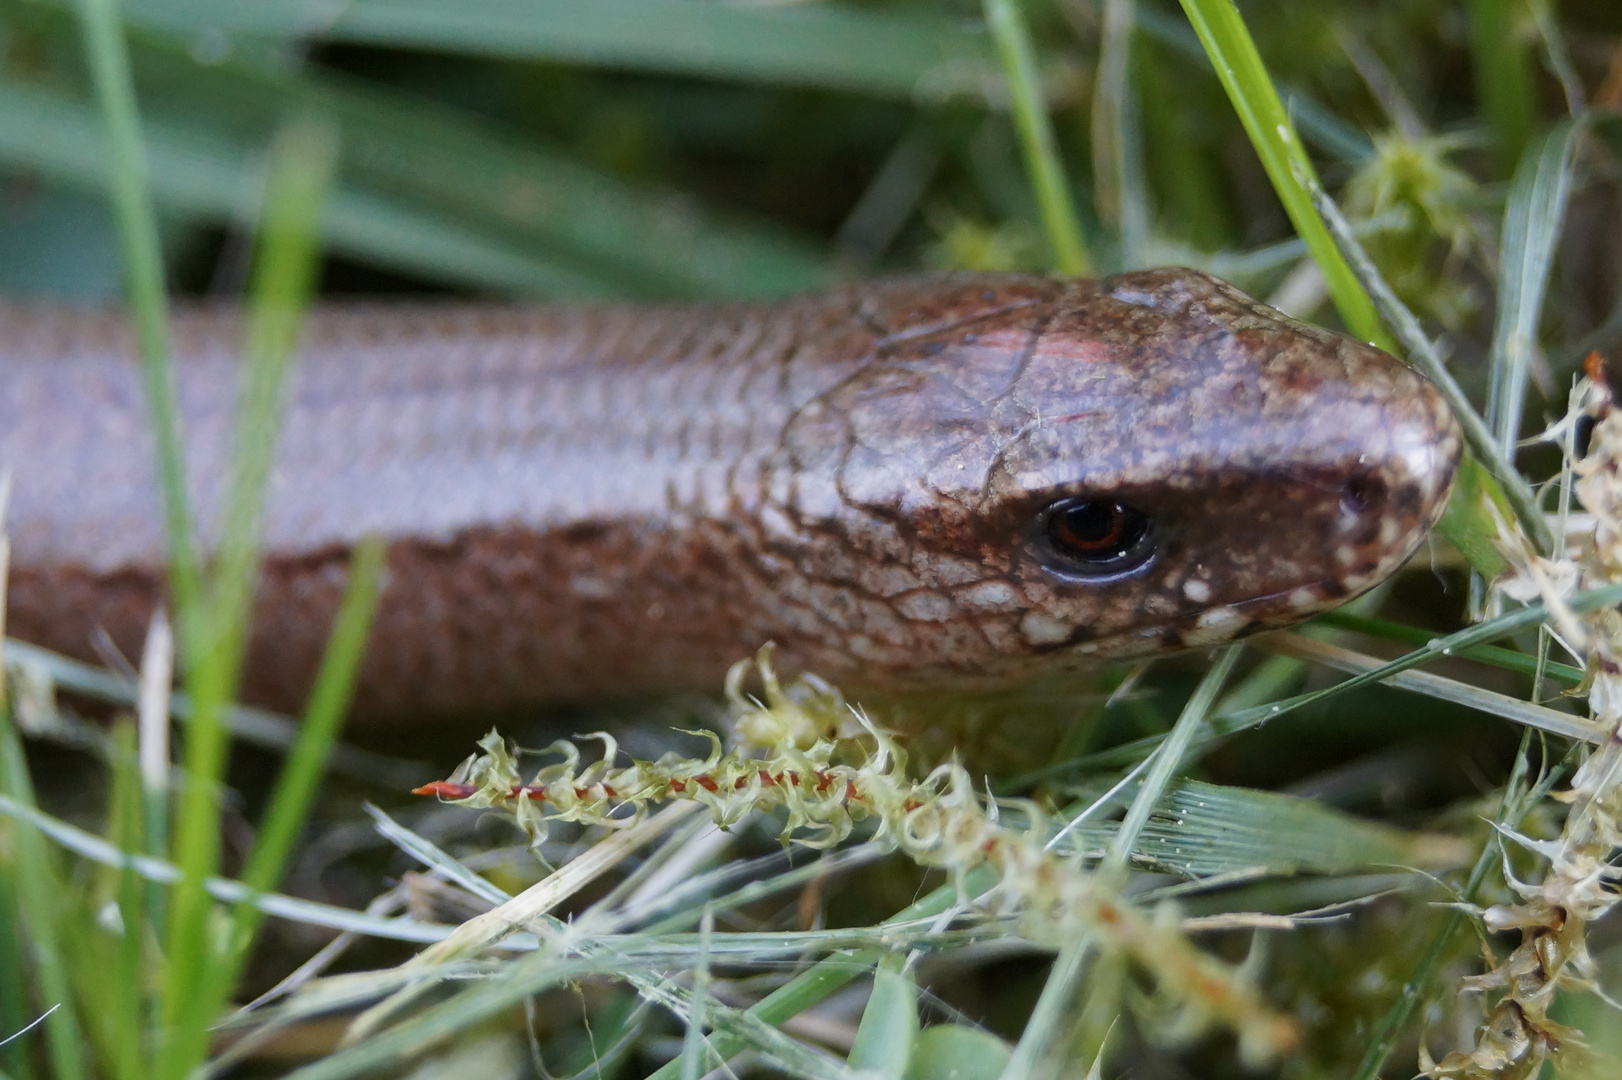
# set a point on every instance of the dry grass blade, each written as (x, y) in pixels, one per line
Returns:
(1436, 686)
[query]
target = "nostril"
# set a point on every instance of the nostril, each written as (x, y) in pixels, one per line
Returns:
(1359, 493)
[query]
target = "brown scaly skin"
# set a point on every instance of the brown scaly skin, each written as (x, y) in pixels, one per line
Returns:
(603, 501)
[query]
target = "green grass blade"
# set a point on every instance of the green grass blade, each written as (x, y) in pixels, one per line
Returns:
(1508, 659)
(1041, 151)
(828, 975)
(1317, 124)
(1532, 222)
(126, 173)
(1503, 77)
(392, 1048)
(39, 888)
(889, 1025)
(1240, 69)
(203, 175)
(1045, 1029)
(1168, 759)
(1434, 649)
(15, 1054)
(197, 837)
(912, 56)
(122, 999)
(298, 178)
(695, 1057)
(1119, 184)
(1466, 523)
(250, 725)
(90, 846)
(329, 701)
(296, 787)
(284, 278)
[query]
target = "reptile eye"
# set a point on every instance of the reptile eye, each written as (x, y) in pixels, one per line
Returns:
(1096, 539)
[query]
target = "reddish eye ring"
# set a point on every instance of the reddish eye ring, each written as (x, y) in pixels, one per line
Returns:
(1095, 540)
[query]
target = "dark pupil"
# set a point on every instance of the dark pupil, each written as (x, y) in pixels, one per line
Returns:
(1093, 526)
(1099, 533)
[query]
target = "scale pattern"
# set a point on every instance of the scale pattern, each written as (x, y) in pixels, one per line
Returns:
(615, 500)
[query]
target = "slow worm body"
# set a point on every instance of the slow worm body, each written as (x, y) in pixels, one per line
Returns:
(914, 484)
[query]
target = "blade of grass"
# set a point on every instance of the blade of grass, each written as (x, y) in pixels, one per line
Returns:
(1318, 125)
(204, 175)
(196, 837)
(890, 54)
(1059, 221)
(14, 1054)
(124, 1005)
(1202, 830)
(1239, 68)
(1557, 56)
(1532, 221)
(257, 726)
(126, 177)
(1044, 1029)
(390, 1049)
(136, 224)
(13, 993)
(152, 740)
(301, 169)
(334, 689)
(478, 176)
(533, 974)
(295, 788)
(89, 846)
(1422, 353)
(1509, 708)
(1509, 659)
(828, 975)
(1118, 180)
(1168, 759)
(695, 1057)
(40, 888)
(300, 175)
(1466, 522)
(1231, 723)
(1502, 77)
(889, 1025)
(1045, 1026)
(1434, 649)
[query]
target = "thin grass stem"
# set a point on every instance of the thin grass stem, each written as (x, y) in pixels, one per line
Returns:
(1239, 68)
(1053, 198)
(39, 890)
